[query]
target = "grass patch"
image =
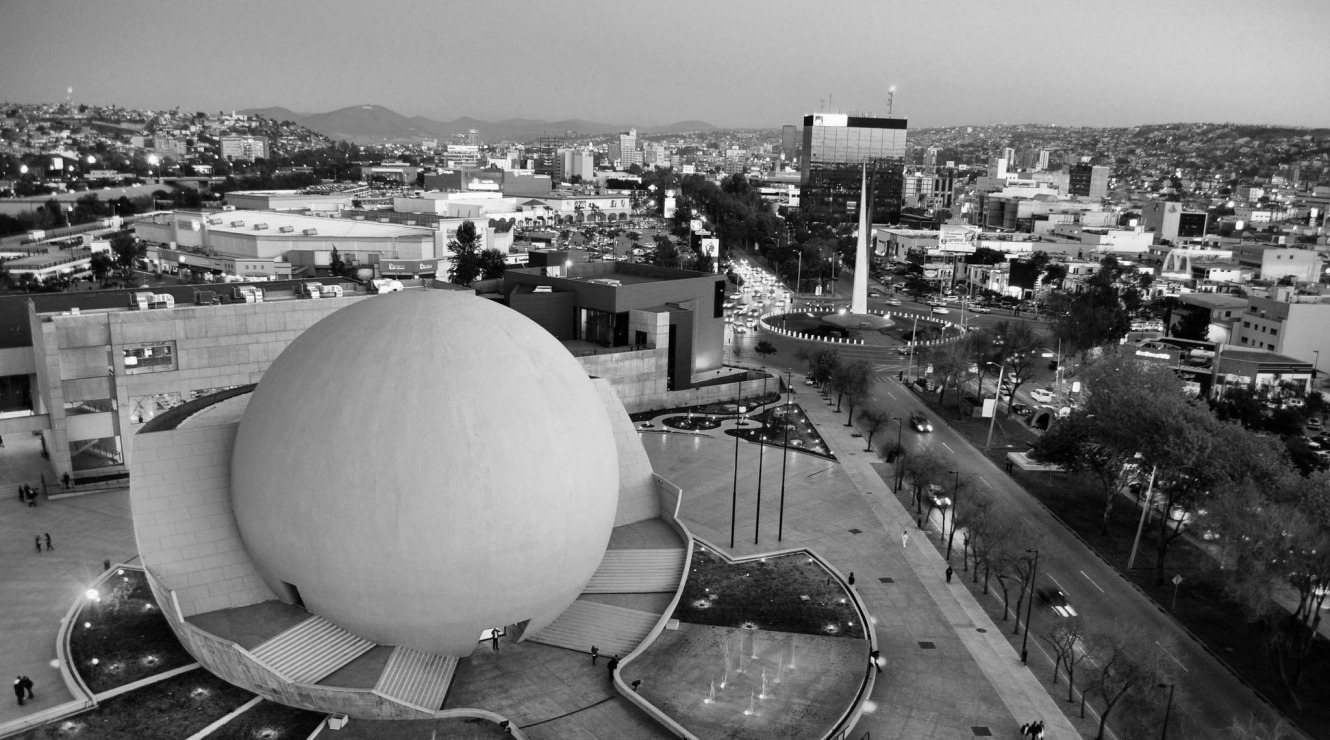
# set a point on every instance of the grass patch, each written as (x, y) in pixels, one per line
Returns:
(721, 410)
(125, 634)
(168, 710)
(270, 721)
(767, 594)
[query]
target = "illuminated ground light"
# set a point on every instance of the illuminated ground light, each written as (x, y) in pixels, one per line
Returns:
(69, 727)
(748, 625)
(150, 660)
(870, 706)
(115, 667)
(199, 692)
(702, 604)
(831, 629)
(95, 661)
(268, 733)
(87, 625)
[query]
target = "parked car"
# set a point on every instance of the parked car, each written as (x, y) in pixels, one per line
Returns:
(1314, 423)
(920, 423)
(1057, 601)
(978, 308)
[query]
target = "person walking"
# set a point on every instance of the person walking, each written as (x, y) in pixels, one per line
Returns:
(612, 665)
(27, 685)
(494, 639)
(851, 579)
(18, 689)
(905, 538)
(875, 658)
(595, 653)
(39, 544)
(48, 542)
(949, 572)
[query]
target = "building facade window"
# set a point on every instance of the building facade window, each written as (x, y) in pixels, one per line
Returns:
(150, 358)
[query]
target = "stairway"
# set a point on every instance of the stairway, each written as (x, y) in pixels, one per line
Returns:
(637, 571)
(310, 650)
(416, 678)
(613, 629)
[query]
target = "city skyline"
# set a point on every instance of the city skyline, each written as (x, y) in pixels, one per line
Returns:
(736, 65)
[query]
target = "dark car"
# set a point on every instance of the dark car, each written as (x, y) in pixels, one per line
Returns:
(1057, 601)
(920, 422)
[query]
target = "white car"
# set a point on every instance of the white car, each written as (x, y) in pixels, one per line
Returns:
(892, 302)
(1042, 395)
(941, 310)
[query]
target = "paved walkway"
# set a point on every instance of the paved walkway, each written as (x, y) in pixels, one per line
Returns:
(950, 671)
(36, 590)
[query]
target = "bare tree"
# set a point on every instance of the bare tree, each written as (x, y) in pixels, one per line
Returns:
(1129, 668)
(874, 421)
(1068, 642)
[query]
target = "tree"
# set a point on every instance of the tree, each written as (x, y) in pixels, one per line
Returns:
(1101, 313)
(874, 420)
(917, 286)
(127, 250)
(852, 382)
(466, 267)
(1194, 324)
(765, 348)
(822, 364)
(1020, 348)
(101, 265)
(1068, 642)
(335, 264)
(1128, 671)
(492, 264)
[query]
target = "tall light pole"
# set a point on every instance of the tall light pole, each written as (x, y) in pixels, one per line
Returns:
(761, 454)
(784, 456)
(955, 504)
(914, 340)
(734, 494)
(1168, 710)
(997, 401)
(1029, 605)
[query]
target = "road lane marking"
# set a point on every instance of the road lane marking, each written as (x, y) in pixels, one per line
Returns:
(893, 395)
(1059, 583)
(1096, 585)
(1175, 660)
(818, 472)
(980, 477)
(944, 444)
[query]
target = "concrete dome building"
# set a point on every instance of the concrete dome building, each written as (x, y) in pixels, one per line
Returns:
(424, 466)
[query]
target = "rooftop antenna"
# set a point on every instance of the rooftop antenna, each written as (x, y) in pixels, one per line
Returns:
(891, 94)
(69, 96)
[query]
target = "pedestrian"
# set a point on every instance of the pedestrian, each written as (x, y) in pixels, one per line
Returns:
(949, 572)
(1025, 729)
(875, 658)
(48, 542)
(39, 544)
(22, 496)
(65, 479)
(1038, 728)
(595, 653)
(494, 639)
(636, 682)
(612, 665)
(851, 579)
(905, 538)
(27, 685)
(900, 377)
(18, 689)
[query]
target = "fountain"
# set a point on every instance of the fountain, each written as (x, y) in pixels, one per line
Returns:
(763, 695)
(711, 695)
(725, 678)
(780, 670)
(752, 705)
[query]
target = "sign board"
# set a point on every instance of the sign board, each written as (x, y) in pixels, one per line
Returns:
(831, 119)
(958, 238)
(711, 247)
(413, 267)
(1177, 579)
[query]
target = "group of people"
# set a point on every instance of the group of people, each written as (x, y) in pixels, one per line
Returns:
(38, 542)
(23, 689)
(1033, 730)
(27, 493)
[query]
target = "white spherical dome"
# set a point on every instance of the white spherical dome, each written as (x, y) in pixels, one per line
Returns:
(424, 465)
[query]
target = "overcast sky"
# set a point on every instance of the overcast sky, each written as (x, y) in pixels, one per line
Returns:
(732, 63)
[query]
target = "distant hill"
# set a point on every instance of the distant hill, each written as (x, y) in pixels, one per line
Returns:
(375, 123)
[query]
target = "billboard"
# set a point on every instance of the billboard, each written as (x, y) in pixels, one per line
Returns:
(711, 247)
(831, 119)
(958, 238)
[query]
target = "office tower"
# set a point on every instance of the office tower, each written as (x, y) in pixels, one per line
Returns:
(1089, 181)
(835, 145)
(546, 156)
(789, 139)
(1043, 160)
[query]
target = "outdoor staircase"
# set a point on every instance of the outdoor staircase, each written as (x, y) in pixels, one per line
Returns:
(311, 650)
(416, 678)
(638, 571)
(613, 629)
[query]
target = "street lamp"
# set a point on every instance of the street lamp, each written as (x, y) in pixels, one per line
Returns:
(734, 494)
(784, 455)
(1163, 734)
(761, 455)
(997, 401)
(1029, 605)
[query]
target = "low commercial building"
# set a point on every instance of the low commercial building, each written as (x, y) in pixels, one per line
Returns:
(1288, 324)
(1275, 263)
(288, 200)
(1219, 309)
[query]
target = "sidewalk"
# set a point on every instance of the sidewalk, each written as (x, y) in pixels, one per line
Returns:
(39, 588)
(950, 671)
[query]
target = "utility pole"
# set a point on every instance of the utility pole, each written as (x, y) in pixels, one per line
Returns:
(1029, 605)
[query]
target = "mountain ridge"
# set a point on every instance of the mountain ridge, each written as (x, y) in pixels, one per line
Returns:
(375, 123)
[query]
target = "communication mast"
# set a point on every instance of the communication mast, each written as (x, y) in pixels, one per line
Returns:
(891, 94)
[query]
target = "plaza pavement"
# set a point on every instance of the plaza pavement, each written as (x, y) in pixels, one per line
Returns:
(950, 672)
(36, 590)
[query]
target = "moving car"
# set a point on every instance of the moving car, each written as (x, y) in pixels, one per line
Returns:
(1057, 601)
(920, 423)
(1042, 395)
(975, 307)
(892, 302)
(941, 309)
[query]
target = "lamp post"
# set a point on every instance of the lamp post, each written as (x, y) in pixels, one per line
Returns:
(1168, 710)
(761, 454)
(997, 401)
(1029, 605)
(784, 456)
(734, 494)
(955, 503)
